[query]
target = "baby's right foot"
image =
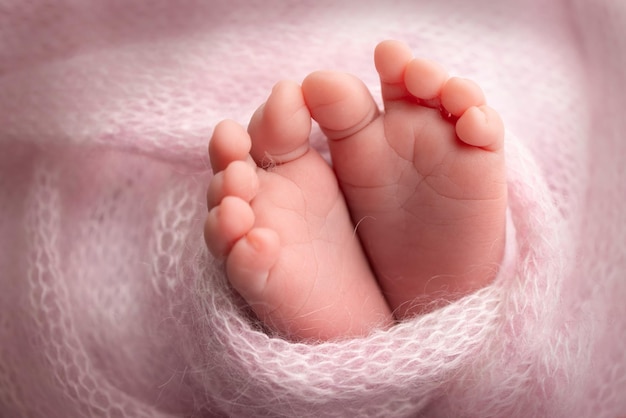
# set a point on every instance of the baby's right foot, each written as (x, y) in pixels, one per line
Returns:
(279, 219)
(427, 192)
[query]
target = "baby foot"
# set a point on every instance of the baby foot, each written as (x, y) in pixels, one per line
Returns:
(424, 181)
(278, 217)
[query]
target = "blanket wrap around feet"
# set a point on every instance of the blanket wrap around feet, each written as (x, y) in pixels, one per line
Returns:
(110, 305)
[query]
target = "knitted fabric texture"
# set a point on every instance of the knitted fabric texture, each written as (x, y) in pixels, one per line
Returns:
(110, 304)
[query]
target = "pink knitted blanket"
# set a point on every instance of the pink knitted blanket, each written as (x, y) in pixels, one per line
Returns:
(110, 305)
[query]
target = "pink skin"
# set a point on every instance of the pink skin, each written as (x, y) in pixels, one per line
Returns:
(290, 248)
(425, 194)
(429, 197)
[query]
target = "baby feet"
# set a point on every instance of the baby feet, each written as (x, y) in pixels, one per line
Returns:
(278, 217)
(412, 217)
(424, 181)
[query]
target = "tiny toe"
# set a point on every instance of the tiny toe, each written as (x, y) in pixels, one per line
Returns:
(229, 142)
(391, 59)
(239, 179)
(339, 102)
(481, 127)
(280, 128)
(424, 79)
(459, 94)
(249, 264)
(227, 223)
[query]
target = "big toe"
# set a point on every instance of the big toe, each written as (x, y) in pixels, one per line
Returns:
(339, 102)
(280, 128)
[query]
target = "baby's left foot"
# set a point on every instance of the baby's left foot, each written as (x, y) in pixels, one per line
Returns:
(424, 181)
(280, 221)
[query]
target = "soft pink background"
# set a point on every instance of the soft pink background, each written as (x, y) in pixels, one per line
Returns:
(109, 304)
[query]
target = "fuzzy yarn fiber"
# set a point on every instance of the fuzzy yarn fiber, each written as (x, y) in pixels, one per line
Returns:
(110, 305)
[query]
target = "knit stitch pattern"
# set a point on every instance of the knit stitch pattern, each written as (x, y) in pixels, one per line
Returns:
(111, 305)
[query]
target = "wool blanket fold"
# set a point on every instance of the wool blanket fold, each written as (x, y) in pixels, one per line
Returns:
(110, 305)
